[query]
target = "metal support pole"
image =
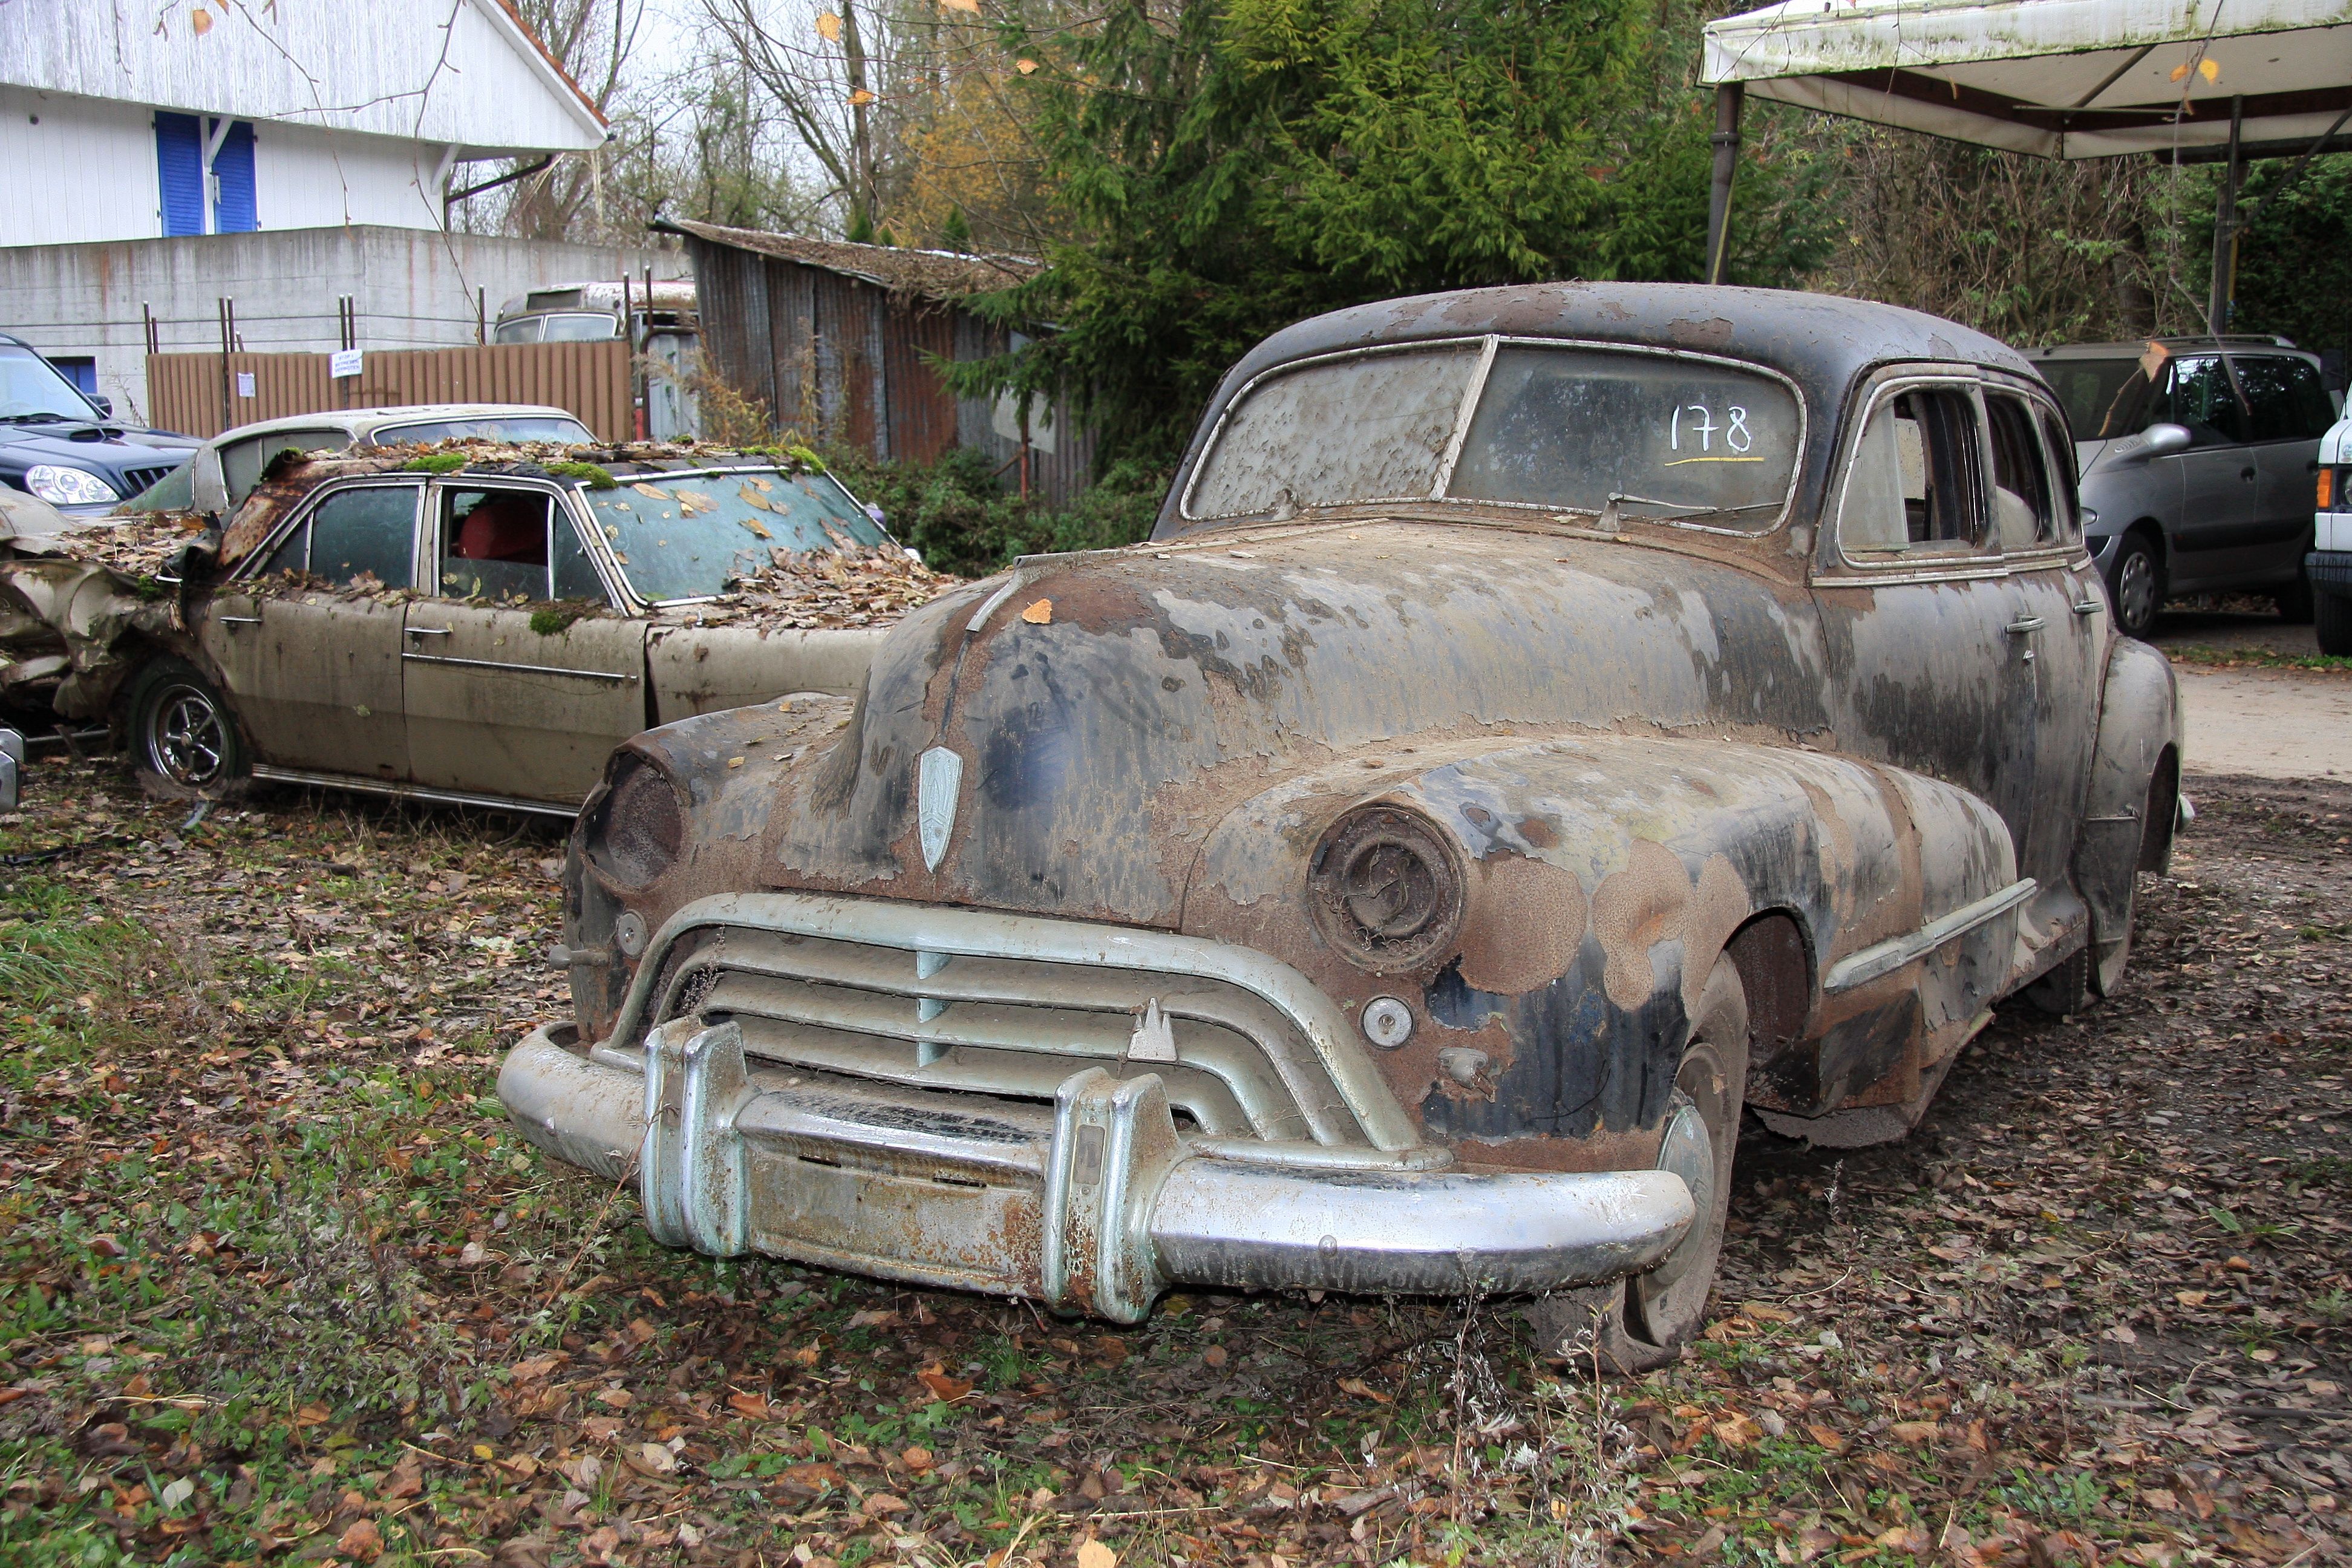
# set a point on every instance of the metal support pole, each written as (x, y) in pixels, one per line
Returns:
(223, 308)
(1726, 141)
(2225, 232)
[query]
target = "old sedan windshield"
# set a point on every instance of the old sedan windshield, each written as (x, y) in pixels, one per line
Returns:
(683, 537)
(1661, 436)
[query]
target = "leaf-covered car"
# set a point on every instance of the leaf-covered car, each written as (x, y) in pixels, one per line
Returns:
(471, 622)
(1544, 721)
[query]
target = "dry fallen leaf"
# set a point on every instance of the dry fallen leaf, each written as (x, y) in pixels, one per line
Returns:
(862, 96)
(754, 1406)
(917, 1458)
(879, 1503)
(1027, 68)
(945, 1389)
(313, 1416)
(1039, 614)
(1092, 1554)
(361, 1541)
(1915, 1431)
(1215, 1355)
(828, 27)
(654, 1458)
(1362, 1390)
(1827, 1438)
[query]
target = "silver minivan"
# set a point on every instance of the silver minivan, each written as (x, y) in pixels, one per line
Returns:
(2198, 458)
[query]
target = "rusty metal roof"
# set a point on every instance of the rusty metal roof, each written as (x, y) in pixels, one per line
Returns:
(930, 274)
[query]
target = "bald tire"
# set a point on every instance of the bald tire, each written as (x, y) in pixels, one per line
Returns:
(1643, 1322)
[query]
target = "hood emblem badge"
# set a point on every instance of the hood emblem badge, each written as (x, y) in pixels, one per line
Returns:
(938, 775)
(1153, 1040)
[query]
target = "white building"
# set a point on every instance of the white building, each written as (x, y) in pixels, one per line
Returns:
(168, 171)
(138, 122)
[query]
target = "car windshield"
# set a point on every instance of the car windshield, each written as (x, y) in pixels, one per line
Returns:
(32, 391)
(489, 427)
(2100, 395)
(683, 536)
(1670, 438)
(587, 327)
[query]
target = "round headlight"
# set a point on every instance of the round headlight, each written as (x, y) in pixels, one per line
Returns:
(69, 487)
(636, 833)
(1385, 889)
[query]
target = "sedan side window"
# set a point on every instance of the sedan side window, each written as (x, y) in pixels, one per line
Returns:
(356, 537)
(2285, 398)
(2199, 395)
(1913, 485)
(2065, 485)
(494, 544)
(243, 462)
(2023, 515)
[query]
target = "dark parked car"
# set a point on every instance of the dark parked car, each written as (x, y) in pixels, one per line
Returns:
(66, 448)
(1544, 721)
(2198, 457)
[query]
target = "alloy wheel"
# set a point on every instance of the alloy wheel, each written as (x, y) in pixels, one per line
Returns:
(187, 738)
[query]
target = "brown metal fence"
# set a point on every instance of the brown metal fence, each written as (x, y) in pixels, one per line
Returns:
(198, 394)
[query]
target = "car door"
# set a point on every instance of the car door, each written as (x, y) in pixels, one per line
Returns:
(1916, 609)
(2287, 412)
(313, 667)
(2211, 542)
(519, 677)
(2057, 643)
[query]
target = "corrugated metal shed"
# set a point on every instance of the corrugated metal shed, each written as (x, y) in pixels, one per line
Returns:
(837, 341)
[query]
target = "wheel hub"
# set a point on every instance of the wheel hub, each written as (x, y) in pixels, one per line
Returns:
(186, 745)
(1687, 1149)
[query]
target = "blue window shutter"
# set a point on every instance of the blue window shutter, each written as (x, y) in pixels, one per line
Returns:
(180, 171)
(234, 211)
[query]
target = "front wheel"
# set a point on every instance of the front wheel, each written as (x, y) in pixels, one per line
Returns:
(183, 737)
(2137, 585)
(2331, 617)
(2294, 601)
(1644, 1321)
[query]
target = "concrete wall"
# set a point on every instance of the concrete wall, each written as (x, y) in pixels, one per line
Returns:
(413, 288)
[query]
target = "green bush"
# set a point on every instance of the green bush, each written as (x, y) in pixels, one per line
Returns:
(957, 512)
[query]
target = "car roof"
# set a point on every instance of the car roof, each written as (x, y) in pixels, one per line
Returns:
(1824, 343)
(363, 421)
(2239, 343)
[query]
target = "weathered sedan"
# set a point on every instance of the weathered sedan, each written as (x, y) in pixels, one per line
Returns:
(1545, 721)
(478, 624)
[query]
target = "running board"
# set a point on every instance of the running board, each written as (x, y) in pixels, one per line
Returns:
(411, 791)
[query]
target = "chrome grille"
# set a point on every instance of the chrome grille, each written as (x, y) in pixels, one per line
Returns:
(141, 478)
(976, 1003)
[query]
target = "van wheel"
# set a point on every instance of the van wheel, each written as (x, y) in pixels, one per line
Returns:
(1644, 1321)
(183, 737)
(2331, 616)
(2136, 583)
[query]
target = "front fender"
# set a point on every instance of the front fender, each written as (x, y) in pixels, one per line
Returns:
(2129, 813)
(1605, 875)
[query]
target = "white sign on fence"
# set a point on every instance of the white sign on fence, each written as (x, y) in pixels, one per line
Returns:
(245, 384)
(343, 363)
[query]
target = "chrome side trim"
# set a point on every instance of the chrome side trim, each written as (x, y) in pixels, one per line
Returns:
(986, 933)
(410, 791)
(1885, 957)
(501, 664)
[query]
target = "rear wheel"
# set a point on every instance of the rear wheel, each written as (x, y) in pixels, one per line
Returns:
(1644, 1321)
(2136, 583)
(183, 737)
(2331, 616)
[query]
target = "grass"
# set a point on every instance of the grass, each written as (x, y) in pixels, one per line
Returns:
(2256, 659)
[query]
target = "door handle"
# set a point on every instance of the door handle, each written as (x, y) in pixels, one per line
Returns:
(239, 620)
(428, 631)
(2030, 624)
(2088, 607)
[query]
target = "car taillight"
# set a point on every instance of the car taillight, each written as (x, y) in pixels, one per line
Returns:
(2327, 497)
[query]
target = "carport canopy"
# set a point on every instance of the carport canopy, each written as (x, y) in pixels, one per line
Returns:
(2059, 78)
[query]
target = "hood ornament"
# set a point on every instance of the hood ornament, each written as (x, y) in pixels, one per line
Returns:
(938, 777)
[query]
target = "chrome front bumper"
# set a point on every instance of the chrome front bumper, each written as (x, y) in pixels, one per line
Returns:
(1095, 1206)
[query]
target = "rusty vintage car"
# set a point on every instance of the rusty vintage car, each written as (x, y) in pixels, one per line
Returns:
(1544, 721)
(469, 623)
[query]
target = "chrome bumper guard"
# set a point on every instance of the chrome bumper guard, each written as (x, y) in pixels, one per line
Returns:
(1095, 1206)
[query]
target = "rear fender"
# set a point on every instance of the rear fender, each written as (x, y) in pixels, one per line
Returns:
(2128, 814)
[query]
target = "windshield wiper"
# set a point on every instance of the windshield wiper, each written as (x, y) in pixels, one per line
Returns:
(1612, 512)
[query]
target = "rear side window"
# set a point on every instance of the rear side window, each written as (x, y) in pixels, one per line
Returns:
(242, 462)
(2022, 514)
(2064, 483)
(2284, 399)
(1915, 485)
(355, 538)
